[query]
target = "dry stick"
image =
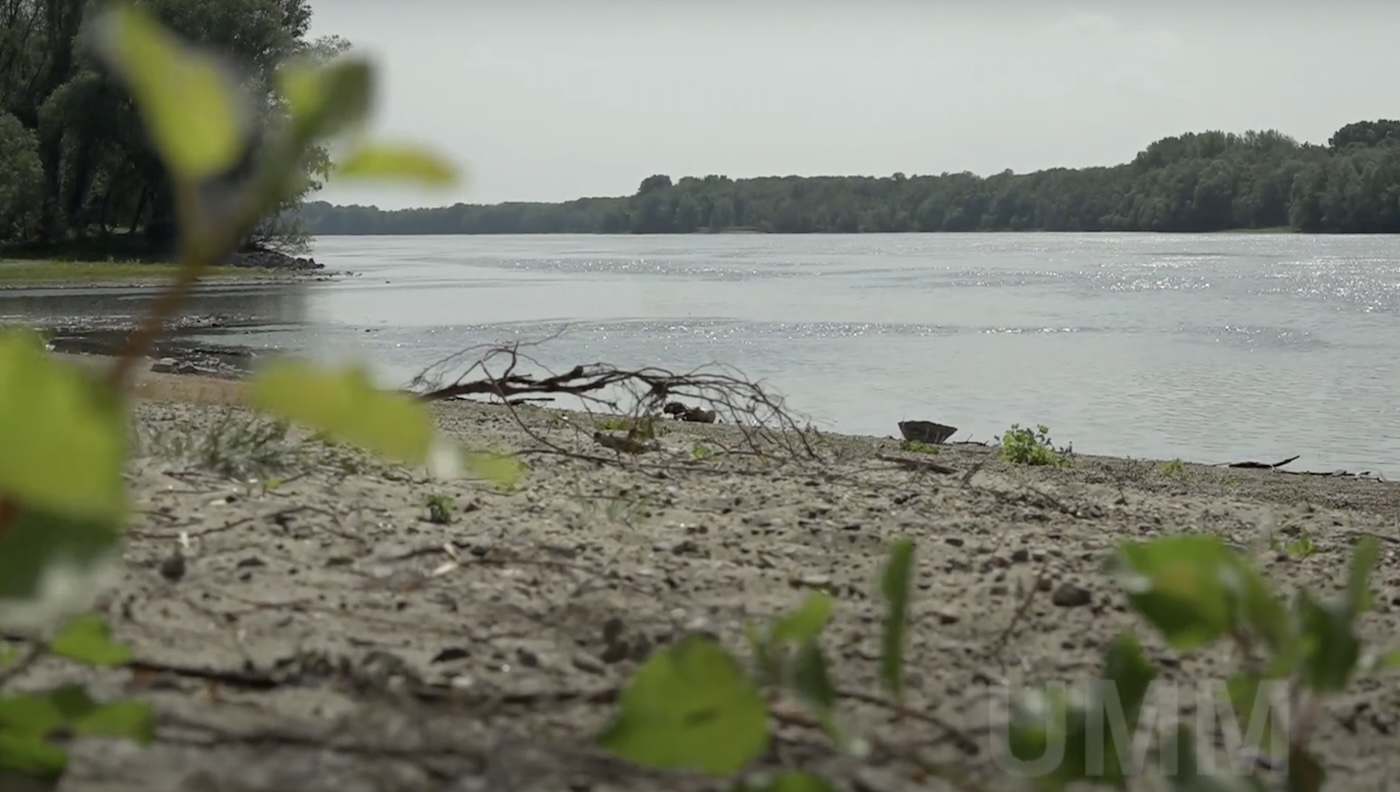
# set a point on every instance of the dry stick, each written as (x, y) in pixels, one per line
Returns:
(1000, 644)
(958, 735)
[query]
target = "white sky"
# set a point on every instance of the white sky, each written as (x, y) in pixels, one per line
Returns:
(556, 99)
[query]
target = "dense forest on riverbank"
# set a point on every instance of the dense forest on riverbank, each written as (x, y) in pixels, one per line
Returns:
(77, 171)
(1210, 181)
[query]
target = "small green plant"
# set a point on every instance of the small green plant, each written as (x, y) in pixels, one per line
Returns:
(919, 447)
(1032, 447)
(1196, 590)
(441, 509)
(701, 451)
(242, 447)
(1174, 468)
(645, 428)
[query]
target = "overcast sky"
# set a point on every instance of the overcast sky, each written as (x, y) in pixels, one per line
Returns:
(550, 100)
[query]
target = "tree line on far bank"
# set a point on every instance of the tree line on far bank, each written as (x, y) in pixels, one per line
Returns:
(1196, 182)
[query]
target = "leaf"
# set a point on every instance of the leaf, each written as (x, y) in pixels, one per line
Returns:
(1364, 558)
(505, 470)
(690, 707)
(88, 640)
(189, 101)
(788, 781)
(1131, 673)
(1247, 693)
(31, 755)
(1041, 724)
(64, 437)
(326, 100)
(805, 624)
(132, 720)
(346, 404)
(894, 586)
(397, 161)
(53, 568)
(1331, 650)
(30, 713)
(1183, 585)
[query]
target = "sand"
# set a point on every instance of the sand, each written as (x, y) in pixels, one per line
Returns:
(322, 634)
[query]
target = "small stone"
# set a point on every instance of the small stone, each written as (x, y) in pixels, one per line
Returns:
(615, 653)
(173, 568)
(811, 581)
(588, 663)
(1020, 555)
(948, 617)
(1068, 595)
(451, 653)
(527, 658)
(955, 541)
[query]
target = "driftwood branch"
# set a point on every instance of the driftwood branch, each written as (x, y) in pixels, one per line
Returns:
(710, 394)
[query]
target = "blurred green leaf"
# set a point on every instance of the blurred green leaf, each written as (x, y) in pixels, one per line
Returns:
(788, 781)
(88, 640)
(397, 162)
(690, 707)
(1182, 585)
(805, 624)
(894, 587)
(1331, 649)
(1249, 693)
(1042, 724)
(505, 470)
(189, 101)
(131, 720)
(63, 431)
(345, 403)
(1364, 557)
(32, 713)
(326, 100)
(31, 754)
(1131, 673)
(53, 568)
(811, 679)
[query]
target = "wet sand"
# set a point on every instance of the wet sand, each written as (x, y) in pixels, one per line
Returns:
(324, 635)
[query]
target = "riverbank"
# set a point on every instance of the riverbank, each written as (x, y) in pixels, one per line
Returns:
(316, 630)
(20, 274)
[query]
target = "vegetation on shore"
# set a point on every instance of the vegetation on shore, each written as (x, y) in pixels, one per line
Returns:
(1196, 182)
(76, 166)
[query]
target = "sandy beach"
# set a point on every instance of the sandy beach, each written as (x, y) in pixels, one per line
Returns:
(319, 632)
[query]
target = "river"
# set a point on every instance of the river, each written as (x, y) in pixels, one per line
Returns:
(1210, 348)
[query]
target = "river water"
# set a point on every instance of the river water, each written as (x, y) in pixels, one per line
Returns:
(1209, 348)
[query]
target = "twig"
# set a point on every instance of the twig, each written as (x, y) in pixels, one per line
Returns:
(921, 465)
(959, 736)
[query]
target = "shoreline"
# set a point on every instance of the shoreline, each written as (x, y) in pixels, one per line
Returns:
(253, 277)
(234, 362)
(323, 600)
